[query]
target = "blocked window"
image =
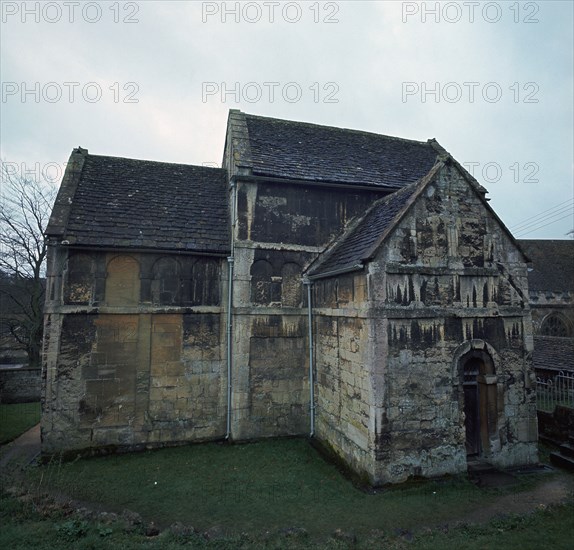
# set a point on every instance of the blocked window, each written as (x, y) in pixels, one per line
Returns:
(123, 281)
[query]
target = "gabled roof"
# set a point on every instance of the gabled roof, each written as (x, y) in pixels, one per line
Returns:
(127, 203)
(552, 264)
(310, 152)
(360, 241)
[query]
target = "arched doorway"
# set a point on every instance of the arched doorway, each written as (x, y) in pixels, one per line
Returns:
(480, 402)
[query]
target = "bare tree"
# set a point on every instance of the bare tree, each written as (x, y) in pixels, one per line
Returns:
(25, 206)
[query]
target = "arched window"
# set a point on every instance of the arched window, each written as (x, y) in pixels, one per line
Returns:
(555, 325)
(123, 282)
(166, 282)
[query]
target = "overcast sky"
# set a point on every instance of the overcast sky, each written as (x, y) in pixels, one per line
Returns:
(491, 81)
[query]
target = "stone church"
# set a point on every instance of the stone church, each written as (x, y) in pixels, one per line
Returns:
(352, 287)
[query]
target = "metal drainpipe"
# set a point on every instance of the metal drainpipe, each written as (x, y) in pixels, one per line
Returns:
(309, 285)
(230, 261)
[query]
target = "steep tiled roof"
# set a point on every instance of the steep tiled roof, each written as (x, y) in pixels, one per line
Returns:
(552, 264)
(119, 202)
(297, 150)
(551, 352)
(356, 244)
(360, 240)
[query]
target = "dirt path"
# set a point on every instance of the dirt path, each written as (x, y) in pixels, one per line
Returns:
(556, 490)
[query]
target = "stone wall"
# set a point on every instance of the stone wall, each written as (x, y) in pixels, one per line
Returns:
(344, 371)
(456, 295)
(279, 230)
(269, 348)
(270, 378)
(134, 351)
(440, 323)
(300, 215)
(20, 385)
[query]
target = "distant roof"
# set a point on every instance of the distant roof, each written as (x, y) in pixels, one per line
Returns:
(119, 202)
(552, 352)
(552, 264)
(298, 150)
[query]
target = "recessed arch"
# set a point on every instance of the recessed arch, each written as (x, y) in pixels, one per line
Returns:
(80, 279)
(122, 281)
(472, 345)
(477, 382)
(166, 281)
(205, 282)
(261, 273)
(556, 324)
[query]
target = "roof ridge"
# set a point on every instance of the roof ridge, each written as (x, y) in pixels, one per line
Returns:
(353, 130)
(157, 162)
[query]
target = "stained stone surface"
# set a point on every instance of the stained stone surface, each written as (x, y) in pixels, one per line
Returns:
(421, 325)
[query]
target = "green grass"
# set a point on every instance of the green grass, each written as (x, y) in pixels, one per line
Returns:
(549, 528)
(260, 495)
(16, 419)
(249, 487)
(27, 526)
(252, 487)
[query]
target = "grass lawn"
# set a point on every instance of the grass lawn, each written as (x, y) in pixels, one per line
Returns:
(25, 527)
(263, 485)
(272, 494)
(16, 419)
(270, 486)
